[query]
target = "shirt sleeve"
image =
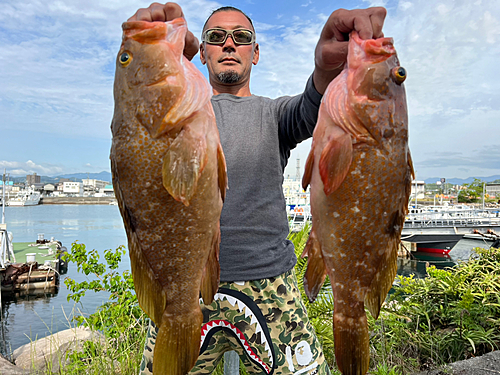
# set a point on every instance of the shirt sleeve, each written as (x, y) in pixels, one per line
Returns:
(297, 117)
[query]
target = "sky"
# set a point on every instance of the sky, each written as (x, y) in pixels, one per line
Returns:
(58, 60)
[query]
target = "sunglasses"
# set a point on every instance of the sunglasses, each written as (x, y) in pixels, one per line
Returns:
(219, 36)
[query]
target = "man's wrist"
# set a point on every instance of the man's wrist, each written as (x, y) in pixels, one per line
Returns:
(322, 78)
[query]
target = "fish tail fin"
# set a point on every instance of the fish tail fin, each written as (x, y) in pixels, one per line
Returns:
(211, 274)
(383, 280)
(352, 345)
(178, 343)
(335, 162)
(316, 269)
(183, 163)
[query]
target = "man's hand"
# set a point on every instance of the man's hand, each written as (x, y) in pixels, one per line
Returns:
(331, 50)
(162, 13)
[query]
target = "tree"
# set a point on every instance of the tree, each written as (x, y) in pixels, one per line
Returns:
(472, 192)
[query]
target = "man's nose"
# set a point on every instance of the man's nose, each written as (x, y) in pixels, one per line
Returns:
(229, 43)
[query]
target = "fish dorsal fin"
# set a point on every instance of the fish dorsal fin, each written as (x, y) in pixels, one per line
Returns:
(335, 162)
(306, 178)
(221, 172)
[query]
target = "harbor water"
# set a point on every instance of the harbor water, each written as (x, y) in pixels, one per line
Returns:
(100, 227)
(26, 318)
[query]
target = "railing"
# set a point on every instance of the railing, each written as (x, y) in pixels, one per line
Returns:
(453, 218)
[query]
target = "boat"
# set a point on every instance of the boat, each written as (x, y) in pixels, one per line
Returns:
(436, 243)
(27, 197)
(28, 266)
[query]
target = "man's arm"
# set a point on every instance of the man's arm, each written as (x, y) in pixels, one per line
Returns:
(157, 12)
(331, 50)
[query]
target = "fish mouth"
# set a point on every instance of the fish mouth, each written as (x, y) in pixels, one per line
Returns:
(242, 303)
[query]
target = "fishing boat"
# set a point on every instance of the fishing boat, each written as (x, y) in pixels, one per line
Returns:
(26, 197)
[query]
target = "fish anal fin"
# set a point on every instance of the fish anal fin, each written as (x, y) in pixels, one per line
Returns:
(177, 343)
(211, 274)
(352, 344)
(335, 161)
(306, 178)
(221, 172)
(183, 163)
(315, 274)
(150, 294)
(382, 282)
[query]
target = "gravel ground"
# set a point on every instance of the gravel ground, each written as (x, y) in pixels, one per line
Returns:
(488, 364)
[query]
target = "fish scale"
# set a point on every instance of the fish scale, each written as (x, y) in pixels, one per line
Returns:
(360, 171)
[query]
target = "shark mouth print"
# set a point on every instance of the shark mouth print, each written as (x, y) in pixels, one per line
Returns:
(243, 302)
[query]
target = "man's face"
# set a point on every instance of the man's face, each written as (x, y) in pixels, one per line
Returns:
(229, 63)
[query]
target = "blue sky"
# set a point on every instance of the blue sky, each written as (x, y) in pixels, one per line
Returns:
(57, 70)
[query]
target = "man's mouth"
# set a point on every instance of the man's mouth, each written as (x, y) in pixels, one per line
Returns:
(229, 60)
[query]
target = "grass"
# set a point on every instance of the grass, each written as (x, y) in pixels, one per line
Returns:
(451, 315)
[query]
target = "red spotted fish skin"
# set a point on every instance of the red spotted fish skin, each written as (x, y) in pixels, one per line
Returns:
(360, 172)
(169, 176)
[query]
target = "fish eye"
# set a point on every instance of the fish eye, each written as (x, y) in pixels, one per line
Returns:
(399, 74)
(125, 58)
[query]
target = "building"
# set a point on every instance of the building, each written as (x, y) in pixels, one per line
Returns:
(96, 184)
(32, 179)
(493, 190)
(73, 188)
(419, 188)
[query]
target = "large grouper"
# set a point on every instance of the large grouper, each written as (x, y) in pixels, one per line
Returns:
(169, 177)
(360, 171)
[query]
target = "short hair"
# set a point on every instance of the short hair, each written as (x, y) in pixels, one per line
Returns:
(227, 9)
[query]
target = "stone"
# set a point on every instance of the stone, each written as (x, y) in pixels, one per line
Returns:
(7, 368)
(50, 352)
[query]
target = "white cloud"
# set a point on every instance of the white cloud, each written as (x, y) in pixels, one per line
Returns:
(15, 168)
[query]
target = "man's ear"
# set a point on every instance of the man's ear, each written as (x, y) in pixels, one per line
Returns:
(255, 59)
(202, 54)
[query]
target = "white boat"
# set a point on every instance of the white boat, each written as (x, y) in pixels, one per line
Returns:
(28, 197)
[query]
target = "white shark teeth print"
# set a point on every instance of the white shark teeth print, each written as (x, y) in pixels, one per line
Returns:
(242, 307)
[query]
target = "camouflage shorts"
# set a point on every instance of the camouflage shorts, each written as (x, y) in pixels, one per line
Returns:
(264, 321)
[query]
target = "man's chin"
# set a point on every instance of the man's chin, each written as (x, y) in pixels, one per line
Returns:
(228, 77)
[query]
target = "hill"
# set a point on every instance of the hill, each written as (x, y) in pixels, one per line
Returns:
(78, 177)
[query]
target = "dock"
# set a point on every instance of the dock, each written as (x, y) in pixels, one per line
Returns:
(33, 265)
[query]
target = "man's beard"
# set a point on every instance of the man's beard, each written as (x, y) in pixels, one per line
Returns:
(228, 77)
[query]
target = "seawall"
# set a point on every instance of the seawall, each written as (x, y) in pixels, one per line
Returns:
(77, 200)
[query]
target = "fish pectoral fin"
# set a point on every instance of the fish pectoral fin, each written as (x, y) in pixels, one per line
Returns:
(316, 269)
(177, 344)
(221, 172)
(183, 163)
(211, 274)
(383, 280)
(335, 162)
(306, 178)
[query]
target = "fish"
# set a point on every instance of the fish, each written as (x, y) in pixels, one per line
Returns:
(359, 170)
(169, 176)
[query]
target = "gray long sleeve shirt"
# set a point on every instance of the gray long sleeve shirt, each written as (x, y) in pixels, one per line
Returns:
(257, 135)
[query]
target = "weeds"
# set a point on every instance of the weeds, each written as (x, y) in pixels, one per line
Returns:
(451, 315)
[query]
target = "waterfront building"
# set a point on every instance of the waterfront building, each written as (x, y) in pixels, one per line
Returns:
(73, 188)
(493, 190)
(418, 188)
(32, 179)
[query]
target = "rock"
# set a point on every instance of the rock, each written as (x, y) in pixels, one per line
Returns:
(7, 368)
(50, 352)
(487, 364)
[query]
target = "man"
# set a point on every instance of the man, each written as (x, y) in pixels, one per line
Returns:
(258, 311)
